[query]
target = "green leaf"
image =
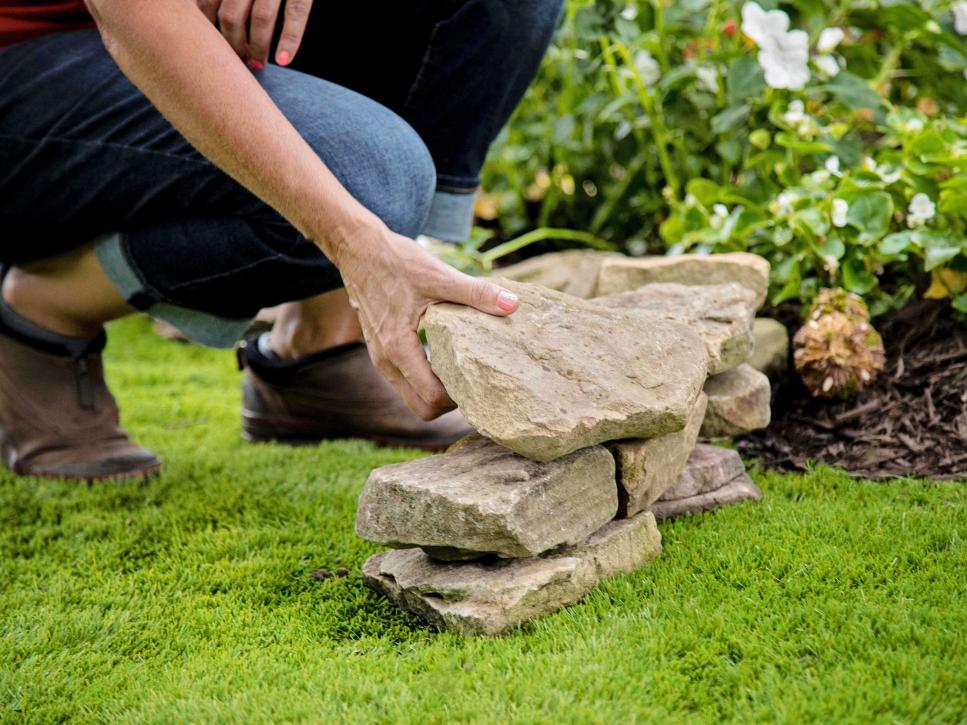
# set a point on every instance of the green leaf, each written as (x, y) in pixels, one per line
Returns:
(927, 144)
(832, 247)
(894, 244)
(960, 302)
(729, 119)
(870, 213)
(706, 191)
(856, 278)
(789, 141)
(853, 91)
(744, 79)
(937, 256)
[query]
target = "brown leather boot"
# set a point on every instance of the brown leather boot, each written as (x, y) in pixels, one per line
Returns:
(333, 394)
(57, 417)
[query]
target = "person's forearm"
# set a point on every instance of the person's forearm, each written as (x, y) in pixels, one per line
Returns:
(178, 59)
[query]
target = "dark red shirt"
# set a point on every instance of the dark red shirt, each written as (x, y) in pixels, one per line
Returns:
(22, 19)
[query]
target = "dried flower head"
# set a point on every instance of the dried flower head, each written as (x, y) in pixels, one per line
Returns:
(837, 352)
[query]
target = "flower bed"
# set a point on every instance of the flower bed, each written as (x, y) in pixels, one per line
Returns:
(829, 138)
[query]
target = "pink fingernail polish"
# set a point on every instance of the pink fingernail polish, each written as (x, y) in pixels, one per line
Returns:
(283, 57)
(506, 301)
(256, 65)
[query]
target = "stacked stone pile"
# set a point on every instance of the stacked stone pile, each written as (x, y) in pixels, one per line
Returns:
(588, 413)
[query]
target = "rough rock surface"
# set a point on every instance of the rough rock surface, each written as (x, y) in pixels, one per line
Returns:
(738, 402)
(482, 498)
(721, 314)
(561, 373)
(493, 597)
(735, 491)
(629, 273)
(770, 353)
(708, 468)
(574, 272)
(646, 469)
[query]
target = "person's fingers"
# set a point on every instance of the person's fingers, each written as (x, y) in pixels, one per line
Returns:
(391, 372)
(410, 359)
(296, 17)
(260, 28)
(210, 9)
(479, 293)
(232, 21)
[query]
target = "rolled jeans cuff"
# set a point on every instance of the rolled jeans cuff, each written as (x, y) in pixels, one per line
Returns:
(201, 327)
(451, 215)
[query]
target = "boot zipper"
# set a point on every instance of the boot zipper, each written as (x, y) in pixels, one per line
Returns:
(85, 392)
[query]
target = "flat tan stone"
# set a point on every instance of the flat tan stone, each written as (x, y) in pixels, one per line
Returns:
(646, 469)
(494, 597)
(739, 401)
(630, 273)
(735, 491)
(574, 272)
(770, 352)
(708, 468)
(562, 374)
(721, 314)
(484, 499)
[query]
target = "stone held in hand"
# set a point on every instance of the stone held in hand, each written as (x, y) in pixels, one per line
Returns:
(739, 402)
(574, 272)
(482, 498)
(708, 468)
(721, 314)
(561, 373)
(646, 469)
(493, 597)
(737, 490)
(629, 273)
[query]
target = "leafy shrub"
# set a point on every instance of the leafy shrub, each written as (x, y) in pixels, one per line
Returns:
(837, 149)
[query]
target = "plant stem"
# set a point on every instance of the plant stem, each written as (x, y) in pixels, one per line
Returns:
(488, 258)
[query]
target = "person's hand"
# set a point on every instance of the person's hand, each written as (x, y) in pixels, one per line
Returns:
(391, 281)
(248, 26)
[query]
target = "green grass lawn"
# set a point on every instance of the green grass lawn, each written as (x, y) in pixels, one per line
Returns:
(190, 598)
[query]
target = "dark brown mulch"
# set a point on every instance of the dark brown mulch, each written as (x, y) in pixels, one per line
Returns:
(912, 421)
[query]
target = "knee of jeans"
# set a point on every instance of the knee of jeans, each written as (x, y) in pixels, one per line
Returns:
(402, 177)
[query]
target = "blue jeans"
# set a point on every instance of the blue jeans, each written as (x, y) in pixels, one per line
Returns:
(84, 155)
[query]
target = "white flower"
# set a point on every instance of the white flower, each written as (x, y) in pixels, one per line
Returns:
(783, 54)
(795, 113)
(720, 212)
(832, 165)
(784, 202)
(637, 247)
(630, 12)
(786, 61)
(960, 17)
(820, 176)
(762, 26)
(840, 207)
(914, 125)
(691, 199)
(827, 65)
(889, 177)
(868, 164)
(647, 67)
(797, 117)
(920, 211)
(829, 39)
(708, 77)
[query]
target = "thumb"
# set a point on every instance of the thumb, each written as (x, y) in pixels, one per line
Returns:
(482, 294)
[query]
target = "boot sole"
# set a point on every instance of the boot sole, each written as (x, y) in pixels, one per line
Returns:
(142, 473)
(305, 432)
